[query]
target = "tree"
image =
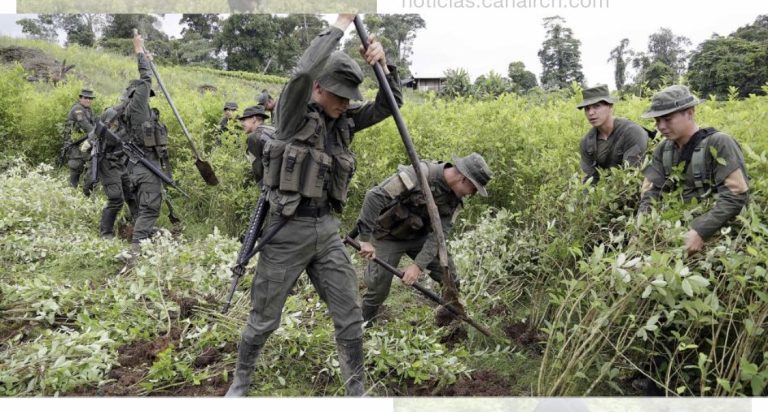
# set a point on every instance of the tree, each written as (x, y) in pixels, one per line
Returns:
(265, 43)
(666, 56)
(42, 28)
(491, 85)
(120, 26)
(617, 56)
(396, 32)
(739, 60)
(522, 79)
(456, 83)
(560, 56)
(205, 26)
(81, 29)
(755, 32)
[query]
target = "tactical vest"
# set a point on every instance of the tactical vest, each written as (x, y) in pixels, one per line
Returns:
(592, 147)
(304, 166)
(113, 119)
(702, 180)
(72, 125)
(154, 133)
(255, 144)
(407, 217)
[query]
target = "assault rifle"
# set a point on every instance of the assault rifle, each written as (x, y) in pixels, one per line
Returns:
(65, 148)
(136, 155)
(247, 249)
(95, 153)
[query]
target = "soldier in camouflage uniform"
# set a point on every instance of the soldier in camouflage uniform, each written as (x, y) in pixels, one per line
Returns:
(712, 164)
(252, 121)
(307, 169)
(266, 101)
(394, 222)
(80, 122)
(112, 170)
(612, 141)
(145, 130)
(229, 113)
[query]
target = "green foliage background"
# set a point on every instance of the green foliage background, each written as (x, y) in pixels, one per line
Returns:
(605, 294)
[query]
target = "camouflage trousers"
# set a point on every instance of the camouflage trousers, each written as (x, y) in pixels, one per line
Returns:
(149, 195)
(378, 280)
(314, 245)
(117, 187)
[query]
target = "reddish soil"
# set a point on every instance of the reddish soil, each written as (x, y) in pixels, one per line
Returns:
(135, 359)
(525, 336)
(481, 383)
(124, 231)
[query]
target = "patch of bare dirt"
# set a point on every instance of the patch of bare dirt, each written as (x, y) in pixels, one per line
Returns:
(39, 66)
(480, 383)
(525, 335)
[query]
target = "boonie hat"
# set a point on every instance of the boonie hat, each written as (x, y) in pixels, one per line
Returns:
(672, 99)
(474, 168)
(595, 94)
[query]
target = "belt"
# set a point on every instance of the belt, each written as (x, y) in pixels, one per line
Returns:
(305, 211)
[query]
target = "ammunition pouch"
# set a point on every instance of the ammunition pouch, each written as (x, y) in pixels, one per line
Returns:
(343, 170)
(154, 134)
(272, 159)
(400, 223)
(305, 165)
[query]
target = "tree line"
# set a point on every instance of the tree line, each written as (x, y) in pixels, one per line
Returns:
(735, 65)
(260, 43)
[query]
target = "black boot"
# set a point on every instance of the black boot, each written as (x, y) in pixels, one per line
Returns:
(246, 363)
(369, 314)
(107, 224)
(351, 363)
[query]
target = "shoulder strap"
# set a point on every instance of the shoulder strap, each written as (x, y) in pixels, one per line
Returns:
(668, 151)
(697, 161)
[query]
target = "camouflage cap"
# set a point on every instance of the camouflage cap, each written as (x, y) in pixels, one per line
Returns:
(341, 76)
(230, 106)
(672, 99)
(474, 168)
(87, 93)
(595, 94)
(264, 97)
(254, 111)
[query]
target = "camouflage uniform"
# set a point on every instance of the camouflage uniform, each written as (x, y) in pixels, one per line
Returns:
(256, 140)
(627, 144)
(703, 174)
(310, 240)
(730, 158)
(113, 174)
(394, 218)
(224, 122)
(139, 119)
(79, 123)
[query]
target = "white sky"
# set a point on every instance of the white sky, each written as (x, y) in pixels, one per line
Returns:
(481, 40)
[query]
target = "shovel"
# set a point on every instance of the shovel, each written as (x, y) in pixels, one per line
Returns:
(205, 168)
